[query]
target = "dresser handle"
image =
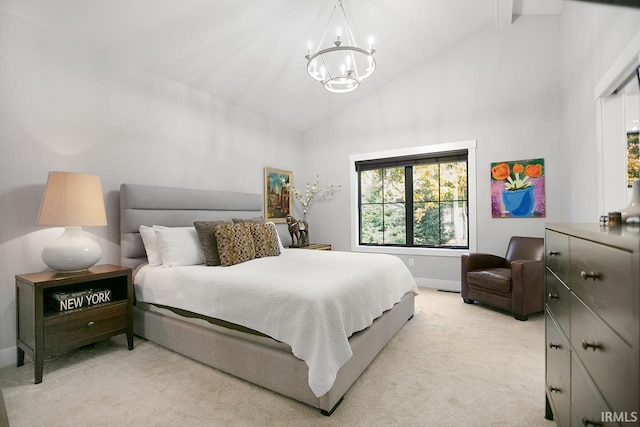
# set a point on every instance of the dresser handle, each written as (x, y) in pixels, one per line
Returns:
(587, 422)
(553, 253)
(588, 345)
(553, 389)
(90, 323)
(554, 346)
(552, 296)
(589, 275)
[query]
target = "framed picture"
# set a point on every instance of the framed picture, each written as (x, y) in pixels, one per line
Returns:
(277, 194)
(517, 189)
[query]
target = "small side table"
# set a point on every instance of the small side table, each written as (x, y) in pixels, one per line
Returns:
(316, 246)
(43, 330)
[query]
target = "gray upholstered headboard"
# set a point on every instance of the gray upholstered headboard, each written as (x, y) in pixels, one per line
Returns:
(174, 207)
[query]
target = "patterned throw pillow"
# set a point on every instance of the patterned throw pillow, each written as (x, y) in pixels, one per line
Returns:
(208, 240)
(265, 239)
(235, 244)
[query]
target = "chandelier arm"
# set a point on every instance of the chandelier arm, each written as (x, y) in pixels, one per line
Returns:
(350, 38)
(329, 76)
(326, 28)
(354, 64)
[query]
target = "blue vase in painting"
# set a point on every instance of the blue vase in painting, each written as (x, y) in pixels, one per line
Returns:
(518, 203)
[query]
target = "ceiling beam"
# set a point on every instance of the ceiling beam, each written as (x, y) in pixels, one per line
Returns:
(629, 3)
(503, 13)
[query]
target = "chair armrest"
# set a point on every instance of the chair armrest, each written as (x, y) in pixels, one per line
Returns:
(527, 281)
(476, 261)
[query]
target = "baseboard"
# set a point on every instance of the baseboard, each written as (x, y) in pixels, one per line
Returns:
(8, 357)
(444, 285)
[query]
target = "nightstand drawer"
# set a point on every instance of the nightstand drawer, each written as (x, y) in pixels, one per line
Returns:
(606, 357)
(602, 277)
(558, 300)
(71, 330)
(557, 254)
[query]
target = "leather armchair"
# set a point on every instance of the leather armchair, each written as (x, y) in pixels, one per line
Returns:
(514, 283)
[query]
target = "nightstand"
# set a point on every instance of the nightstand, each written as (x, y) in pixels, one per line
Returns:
(43, 330)
(317, 247)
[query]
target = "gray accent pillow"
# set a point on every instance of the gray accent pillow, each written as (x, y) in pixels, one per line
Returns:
(207, 236)
(256, 220)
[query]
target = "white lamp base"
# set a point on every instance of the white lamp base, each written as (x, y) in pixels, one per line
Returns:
(73, 251)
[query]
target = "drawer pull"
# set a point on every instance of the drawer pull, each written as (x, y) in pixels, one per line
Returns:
(553, 389)
(587, 422)
(554, 346)
(591, 345)
(553, 253)
(589, 275)
(552, 296)
(90, 323)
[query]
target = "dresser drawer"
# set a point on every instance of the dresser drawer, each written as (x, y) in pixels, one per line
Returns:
(558, 300)
(558, 372)
(602, 277)
(606, 357)
(560, 400)
(71, 330)
(556, 254)
(587, 406)
(558, 354)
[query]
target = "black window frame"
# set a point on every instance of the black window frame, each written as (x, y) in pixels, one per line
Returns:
(408, 162)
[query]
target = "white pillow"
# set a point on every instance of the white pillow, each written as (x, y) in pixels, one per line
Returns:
(150, 241)
(179, 246)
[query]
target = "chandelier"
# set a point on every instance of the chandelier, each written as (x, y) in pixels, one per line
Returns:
(340, 66)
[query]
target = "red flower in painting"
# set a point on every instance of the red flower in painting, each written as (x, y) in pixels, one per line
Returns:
(534, 170)
(500, 172)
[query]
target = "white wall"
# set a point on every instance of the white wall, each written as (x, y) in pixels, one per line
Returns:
(501, 88)
(592, 37)
(66, 107)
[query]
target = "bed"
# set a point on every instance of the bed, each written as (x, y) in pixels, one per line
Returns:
(244, 350)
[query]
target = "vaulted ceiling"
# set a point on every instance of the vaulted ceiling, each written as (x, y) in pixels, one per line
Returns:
(251, 52)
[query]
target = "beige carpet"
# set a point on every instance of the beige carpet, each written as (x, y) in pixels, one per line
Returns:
(452, 365)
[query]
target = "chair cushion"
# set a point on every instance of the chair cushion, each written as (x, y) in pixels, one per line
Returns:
(494, 279)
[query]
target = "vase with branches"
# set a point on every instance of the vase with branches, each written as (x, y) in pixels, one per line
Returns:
(311, 191)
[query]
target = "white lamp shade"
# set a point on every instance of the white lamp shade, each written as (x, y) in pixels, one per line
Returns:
(72, 200)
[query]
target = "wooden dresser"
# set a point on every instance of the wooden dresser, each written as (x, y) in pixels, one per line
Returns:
(592, 299)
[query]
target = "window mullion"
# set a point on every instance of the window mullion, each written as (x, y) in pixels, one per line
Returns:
(408, 203)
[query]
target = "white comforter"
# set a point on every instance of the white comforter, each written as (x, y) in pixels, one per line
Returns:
(310, 300)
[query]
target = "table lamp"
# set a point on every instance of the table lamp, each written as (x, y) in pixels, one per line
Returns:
(72, 200)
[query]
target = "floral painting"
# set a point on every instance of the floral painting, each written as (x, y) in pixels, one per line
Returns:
(277, 194)
(517, 189)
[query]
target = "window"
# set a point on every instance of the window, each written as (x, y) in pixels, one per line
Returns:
(633, 158)
(419, 200)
